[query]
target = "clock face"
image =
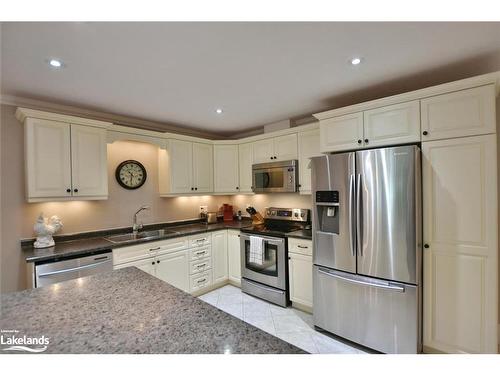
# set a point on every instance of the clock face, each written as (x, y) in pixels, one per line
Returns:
(131, 174)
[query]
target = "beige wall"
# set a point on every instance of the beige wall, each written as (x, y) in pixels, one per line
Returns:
(260, 201)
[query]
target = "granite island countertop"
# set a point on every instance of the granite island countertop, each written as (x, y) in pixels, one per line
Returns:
(129, 311)
(89, 243)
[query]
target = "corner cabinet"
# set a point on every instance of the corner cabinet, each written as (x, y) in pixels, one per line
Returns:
(65, 161)
(185, 167)
(245, 157)
(226, 169)
(460, 245)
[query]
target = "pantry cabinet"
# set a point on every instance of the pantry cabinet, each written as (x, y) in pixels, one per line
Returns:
(64, 161)
(234, 256)
(460, 245)
(219, 256)
(275, 149)
(245, 156)
(185, 168)
(459, 114)
(308, 148)
(226, 169)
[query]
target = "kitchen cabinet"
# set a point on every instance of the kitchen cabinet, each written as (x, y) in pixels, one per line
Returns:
(173, 269)
(226, 169)
(234, 257)
(64, 161)
(460, 245)
(308, 148)
(146, 265)
(245, 155)
(185, 168)
(459, 114)
(383, 126)
(275, 149)
(219, 256)
(392, 125)
(300, 268)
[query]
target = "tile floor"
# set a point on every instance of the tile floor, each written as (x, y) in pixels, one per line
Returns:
(288, 324)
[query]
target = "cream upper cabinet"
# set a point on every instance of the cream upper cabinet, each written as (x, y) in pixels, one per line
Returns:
(392, 125)
(459, 114)
(174, 269)
(263, 151)
(48, 159)
(341, 133)
(234, 257)
(203, 171)
(89, 161)
(308, 148)
(245, 155)
(460, 245)
(65, 161)
(219, 256)
(180, 158)
(285, 147)
(226, 165)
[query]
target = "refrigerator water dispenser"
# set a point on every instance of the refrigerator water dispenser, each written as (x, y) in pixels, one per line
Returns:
(328, 210)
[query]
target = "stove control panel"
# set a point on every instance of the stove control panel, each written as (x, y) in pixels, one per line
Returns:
(290, 214)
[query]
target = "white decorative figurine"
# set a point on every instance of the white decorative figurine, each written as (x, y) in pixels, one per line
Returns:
(44, 229)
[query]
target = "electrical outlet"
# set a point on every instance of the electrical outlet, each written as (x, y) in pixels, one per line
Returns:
(203, 210)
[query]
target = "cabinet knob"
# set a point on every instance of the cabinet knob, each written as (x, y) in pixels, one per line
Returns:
(192, 188)
(237, 188)
(425, 132)
(195, 188)
(360, 141)
(366, 140)
(68, 190)
(75, 190)
(426, 246)
(153, 263)
(157, 261)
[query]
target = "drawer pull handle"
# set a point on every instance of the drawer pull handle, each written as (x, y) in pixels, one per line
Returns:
(201, 281)
(155, 248)
(200, 252)
(303, 247)
(201, 265)
(201, 240)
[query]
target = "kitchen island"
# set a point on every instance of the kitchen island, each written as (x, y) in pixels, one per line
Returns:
(129, 311)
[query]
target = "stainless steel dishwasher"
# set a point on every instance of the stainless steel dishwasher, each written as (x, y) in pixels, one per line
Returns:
(55, 271)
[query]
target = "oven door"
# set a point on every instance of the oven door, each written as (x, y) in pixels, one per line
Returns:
(273, 270)
(277, 177)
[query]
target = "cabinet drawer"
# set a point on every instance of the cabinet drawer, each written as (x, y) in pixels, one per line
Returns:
(144, 250)
(198, 254)
(200, 240)
(299, 246)
(198, 266)
(200, 281)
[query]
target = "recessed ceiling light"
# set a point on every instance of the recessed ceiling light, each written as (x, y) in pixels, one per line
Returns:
(55, 63)
(355, 60)
(218, 111)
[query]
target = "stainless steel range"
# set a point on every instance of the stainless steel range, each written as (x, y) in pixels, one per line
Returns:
(264, 253)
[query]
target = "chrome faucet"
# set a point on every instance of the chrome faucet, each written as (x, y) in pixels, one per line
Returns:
(136, 227)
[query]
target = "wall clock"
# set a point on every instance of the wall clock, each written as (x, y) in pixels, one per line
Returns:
(131, 174)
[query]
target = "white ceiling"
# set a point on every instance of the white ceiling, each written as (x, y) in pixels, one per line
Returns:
(179, 73)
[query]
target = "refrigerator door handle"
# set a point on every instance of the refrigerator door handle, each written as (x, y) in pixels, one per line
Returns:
(352, 238)
(359, 217)
(354, 280)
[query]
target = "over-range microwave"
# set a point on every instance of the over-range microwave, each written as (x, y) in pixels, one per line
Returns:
(275, 177)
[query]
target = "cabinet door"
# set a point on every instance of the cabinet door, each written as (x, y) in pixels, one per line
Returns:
(219, 256)
(203, 171)
(392, 125)
(181, 166)
(300, 279)
(263, 151)
(233, 244)
(459, 114)
(146, 265)
(308, 148)
(460, 252)
(174, 269)
(89, 168)
(48, 159)
(285, 147)
(245, 154)
(341, 133)
(226, 176)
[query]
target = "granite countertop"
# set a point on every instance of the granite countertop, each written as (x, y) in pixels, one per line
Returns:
(129, 311)
(305, 234)
(89, 243)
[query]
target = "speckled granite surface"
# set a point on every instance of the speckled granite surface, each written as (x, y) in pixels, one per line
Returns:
(305, 234)
(129, 311)
(90, 244)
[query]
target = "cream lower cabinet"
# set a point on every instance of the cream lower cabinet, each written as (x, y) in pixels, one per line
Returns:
(233, 256)
(65, 161)
(219, 256)
(460, 305)
(172, 268)
(300, 272)
(226, 169)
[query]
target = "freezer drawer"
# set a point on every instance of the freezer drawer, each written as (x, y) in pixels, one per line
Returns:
(381, 315)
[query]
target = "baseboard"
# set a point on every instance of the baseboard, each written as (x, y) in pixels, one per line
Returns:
(302, 307)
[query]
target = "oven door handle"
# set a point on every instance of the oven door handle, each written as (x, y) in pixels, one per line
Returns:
(266, 239)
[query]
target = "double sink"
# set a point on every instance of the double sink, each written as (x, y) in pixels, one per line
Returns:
(147, 235)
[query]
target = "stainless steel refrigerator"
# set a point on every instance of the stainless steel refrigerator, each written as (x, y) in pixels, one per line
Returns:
(367, 247)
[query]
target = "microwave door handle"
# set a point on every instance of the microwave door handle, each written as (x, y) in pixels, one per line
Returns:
(352, 238)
